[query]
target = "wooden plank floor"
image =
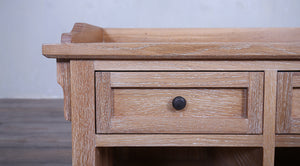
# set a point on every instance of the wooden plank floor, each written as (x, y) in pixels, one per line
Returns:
(34, 133)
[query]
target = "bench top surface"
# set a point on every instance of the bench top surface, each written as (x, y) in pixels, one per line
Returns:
(90, 42)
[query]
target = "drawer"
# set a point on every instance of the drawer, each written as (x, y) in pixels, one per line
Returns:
(215, 102)
(288, 103)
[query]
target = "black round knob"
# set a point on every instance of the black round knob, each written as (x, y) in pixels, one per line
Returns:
(179, 103)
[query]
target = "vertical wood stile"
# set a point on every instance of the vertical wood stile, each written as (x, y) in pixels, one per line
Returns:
(255, 101)
(269, 117)
(284, 102)
(104, 102)
(84, 151)
(83, 113)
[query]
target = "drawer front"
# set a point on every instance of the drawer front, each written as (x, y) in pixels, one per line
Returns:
(142, 102)
(288, 103)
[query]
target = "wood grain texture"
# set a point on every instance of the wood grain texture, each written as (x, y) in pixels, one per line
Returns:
(151, 110)
(179, 79)
(64, 80)
(256, 43)
(187, 156)
(295, 114)
(287, 140)
(104, 101)
(284, 106)
(131, 101)
(83, 33)
(141, 35)
(296, 80)
(270, 86)
(288, 107)
(138, 110)
(180, 140)
(255, 101)
(229, 103)
(83, 113)
(179, 51)
(188, 65)
(178, 125)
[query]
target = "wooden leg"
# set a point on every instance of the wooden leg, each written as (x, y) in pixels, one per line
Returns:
(269, 116)
(83, 113)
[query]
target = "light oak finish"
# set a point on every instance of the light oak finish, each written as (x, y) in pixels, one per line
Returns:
(103, 101)
(146, 108)
(186, 51)
(81, 32)
(180, 140)
(255, 43)
(192, 35)
(178, 79)
(229, 103)
(64, 80)
(242, 87)
(287, 140)
(288, 107)
(83, 113)
(269, 117)
(192, 65)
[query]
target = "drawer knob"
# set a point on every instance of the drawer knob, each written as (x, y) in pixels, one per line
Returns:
(179, 103)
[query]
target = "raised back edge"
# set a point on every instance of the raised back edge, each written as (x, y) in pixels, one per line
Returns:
(194, 35)
(83, 33)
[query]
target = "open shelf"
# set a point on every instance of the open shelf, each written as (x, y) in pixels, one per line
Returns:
(186, 156)
(287, 156)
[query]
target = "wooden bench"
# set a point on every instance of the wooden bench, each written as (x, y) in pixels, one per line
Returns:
(179, 96)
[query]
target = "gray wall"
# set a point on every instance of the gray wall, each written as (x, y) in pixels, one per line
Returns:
(26, 24)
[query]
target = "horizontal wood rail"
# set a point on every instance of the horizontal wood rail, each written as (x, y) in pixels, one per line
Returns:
(287, 140)
(186, 51)
(116, 140)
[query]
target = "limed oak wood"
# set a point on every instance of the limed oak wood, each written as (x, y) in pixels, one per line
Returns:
(180, 140)
(64, 80)
(190, 65)
(147, 108)
(83, 33)
(179, 79)
(104, 101)
(178, 125)
(284, 106)
(269, 117)
(120, 57)
(83, 113)
(229, 103)
(255, 43)
(287, 140)
(143, 35)
(288, 107)
(179, 51)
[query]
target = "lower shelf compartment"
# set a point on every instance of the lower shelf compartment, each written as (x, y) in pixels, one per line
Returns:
(287, 156)
(185, 156)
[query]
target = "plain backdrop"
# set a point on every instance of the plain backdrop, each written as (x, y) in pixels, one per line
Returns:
(26, 24)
